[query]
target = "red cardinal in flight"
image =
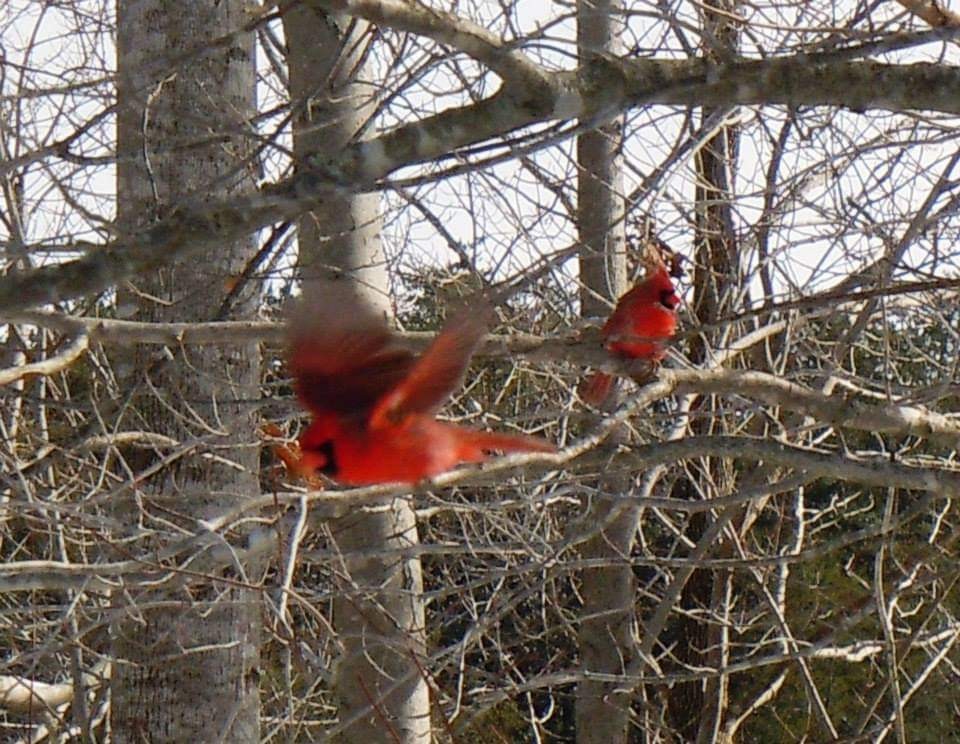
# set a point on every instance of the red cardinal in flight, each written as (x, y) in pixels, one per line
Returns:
(643, 320)
(374, 402)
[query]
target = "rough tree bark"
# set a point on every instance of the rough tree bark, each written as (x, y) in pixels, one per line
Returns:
(186, 656)
(606, 632)
(378, 609)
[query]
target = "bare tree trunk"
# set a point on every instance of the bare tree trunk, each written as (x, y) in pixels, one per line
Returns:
(378, 609)
(187, 656)
(696, 709)
(606, 633)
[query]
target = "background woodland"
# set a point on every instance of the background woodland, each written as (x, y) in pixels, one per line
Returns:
(760, 544)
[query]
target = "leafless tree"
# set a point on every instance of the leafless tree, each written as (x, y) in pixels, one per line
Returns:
(758, 544)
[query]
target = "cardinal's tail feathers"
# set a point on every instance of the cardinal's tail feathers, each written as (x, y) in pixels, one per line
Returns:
(491, 441)
(596, 389)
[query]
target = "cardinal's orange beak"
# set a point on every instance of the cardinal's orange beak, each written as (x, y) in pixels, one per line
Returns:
(303, 466)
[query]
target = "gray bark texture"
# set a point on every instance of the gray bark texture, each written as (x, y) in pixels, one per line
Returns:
(378, 613)
(607, 619)
(186, 659)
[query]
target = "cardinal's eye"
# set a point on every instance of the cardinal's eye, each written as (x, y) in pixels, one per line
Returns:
(669, 299)
(329, 466)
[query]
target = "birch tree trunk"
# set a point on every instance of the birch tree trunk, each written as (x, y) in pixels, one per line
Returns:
(378, 608)
(605, 636)
(186, 654)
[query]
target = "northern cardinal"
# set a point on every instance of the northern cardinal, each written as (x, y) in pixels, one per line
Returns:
(373, 401)
(641, 323)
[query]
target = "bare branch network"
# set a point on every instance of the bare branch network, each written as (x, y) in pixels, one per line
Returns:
(530, 95)
(757, 541)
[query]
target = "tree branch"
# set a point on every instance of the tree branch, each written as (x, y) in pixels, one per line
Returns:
(603, 87)
(446, 28)
(932, 12)
(835, 409)
(23, 695)
(49, 366)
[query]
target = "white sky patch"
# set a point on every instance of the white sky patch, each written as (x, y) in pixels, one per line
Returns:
(848, 182)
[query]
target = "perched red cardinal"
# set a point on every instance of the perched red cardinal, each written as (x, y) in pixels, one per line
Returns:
(641, 323)
(373, 401)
